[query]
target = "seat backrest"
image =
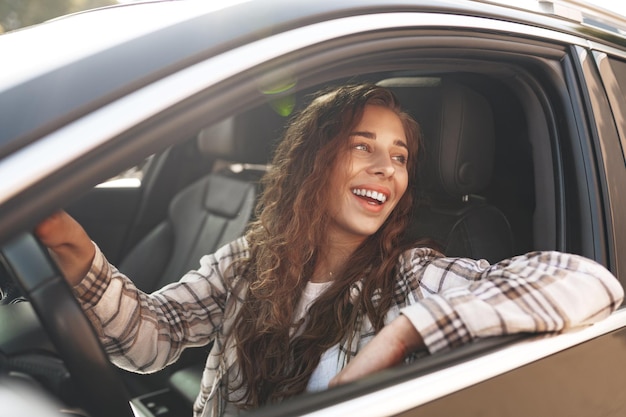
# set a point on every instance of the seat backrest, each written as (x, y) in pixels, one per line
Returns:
(213, 210)
(455, 166)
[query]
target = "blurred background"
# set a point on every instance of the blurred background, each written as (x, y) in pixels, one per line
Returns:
(15, 14)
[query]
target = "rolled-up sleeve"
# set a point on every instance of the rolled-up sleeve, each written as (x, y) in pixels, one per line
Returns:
(457, 300)
(146, 332)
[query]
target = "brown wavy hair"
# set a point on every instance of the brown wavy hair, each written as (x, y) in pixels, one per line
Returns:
(287, 238)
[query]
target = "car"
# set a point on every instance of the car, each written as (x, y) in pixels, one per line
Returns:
(119, 114)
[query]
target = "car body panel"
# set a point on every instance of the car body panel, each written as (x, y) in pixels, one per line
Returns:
(493, 384)
(580, 381)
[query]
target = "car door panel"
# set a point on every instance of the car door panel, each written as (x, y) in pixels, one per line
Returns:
(584, 380)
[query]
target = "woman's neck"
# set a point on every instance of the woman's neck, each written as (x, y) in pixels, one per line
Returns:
(331, 261)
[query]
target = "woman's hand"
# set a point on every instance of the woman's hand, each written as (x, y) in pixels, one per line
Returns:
(388, 348)
(69, 244)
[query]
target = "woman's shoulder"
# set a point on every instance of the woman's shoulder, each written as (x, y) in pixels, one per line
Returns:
(225, 256)
(420, 253)
(236, 249)
(415, 259)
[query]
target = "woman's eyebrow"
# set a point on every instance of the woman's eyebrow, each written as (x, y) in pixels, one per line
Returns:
(401, 144)
(372, 136)
(365, 134)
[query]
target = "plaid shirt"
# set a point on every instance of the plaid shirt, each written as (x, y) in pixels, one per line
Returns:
(449, 300)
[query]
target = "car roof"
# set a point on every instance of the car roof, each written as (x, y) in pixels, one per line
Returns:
(67, 67)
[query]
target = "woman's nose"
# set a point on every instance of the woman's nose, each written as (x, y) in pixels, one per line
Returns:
(382, 165)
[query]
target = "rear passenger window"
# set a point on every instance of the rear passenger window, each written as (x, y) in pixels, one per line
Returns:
(619, 68)
(617, 97)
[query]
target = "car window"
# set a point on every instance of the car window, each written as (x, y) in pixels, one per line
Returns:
(617, 96)
(129, 178)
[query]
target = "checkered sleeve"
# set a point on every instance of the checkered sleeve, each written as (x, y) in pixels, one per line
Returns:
(146, 332)
(457, 300)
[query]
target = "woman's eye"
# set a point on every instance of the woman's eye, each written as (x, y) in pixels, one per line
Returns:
(401, 158)
(362, 147)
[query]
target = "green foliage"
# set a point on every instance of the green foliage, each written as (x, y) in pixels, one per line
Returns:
(15, 14)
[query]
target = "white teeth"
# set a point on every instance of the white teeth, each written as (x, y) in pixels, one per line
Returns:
(369, 193)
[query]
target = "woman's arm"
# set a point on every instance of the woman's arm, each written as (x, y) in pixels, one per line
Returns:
(389, 348)
(69, 245)
(462, 299)
(146, 332)
(457, 300)
(141, 332)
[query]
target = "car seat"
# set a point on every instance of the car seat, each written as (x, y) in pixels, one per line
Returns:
(205, 215)
(213, 210)
(456, 165)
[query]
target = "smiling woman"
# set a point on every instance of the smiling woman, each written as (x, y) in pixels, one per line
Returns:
(276, 332)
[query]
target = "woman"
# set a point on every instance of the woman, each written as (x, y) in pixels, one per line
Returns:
(319, 291)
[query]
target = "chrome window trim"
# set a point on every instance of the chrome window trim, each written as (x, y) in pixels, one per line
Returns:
(608, 50)
(616, 101)
(410, 394)
(83, 135)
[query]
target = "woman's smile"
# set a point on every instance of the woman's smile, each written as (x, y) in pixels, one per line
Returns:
(371, 198)
(374, 197)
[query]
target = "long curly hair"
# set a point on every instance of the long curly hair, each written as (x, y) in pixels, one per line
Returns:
(287, 238)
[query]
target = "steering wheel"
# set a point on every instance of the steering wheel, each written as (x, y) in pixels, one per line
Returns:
(43, 284)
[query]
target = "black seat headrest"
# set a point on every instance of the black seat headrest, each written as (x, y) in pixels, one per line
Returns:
(464, 150)
(458, 137)
(246, 138)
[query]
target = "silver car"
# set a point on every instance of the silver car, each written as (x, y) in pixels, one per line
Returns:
(119, 113)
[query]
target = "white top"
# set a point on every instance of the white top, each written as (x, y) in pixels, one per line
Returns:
(329, 362)
(309, 295)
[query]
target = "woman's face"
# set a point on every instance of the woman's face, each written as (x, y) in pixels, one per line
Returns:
(369, 179)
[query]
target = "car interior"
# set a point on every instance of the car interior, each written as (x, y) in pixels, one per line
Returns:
(477, 192)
